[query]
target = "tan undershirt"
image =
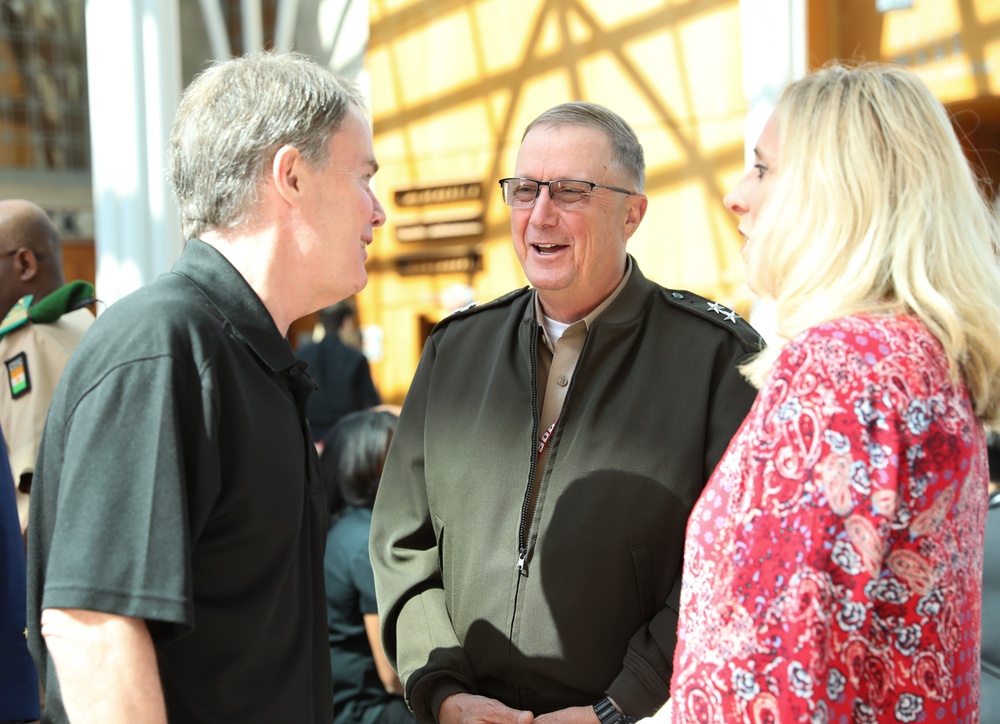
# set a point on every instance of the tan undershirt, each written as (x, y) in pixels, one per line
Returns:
(557, 362)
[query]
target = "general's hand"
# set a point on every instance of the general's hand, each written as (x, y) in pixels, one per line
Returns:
(473, 709)
(572, 715)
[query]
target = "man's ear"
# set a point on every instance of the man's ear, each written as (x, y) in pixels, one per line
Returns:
(286, 173)
(636, 211)
(25, 264)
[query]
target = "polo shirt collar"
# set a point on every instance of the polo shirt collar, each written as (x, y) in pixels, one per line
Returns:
(236, 301)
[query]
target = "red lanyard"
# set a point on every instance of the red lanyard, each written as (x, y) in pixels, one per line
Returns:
(544, 439)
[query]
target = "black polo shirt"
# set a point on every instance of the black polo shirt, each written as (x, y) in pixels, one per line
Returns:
(177, 483)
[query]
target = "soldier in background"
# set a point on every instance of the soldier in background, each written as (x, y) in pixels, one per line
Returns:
(43, 320)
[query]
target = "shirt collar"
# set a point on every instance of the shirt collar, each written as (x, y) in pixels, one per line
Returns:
(224, 286)
(589, 319)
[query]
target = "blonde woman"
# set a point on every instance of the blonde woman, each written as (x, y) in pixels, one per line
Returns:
(833, 564)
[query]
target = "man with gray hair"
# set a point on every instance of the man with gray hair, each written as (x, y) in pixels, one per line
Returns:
(528, 532)
(178, 518)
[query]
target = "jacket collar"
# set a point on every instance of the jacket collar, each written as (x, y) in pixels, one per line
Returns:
(236, 301)
(625, 308)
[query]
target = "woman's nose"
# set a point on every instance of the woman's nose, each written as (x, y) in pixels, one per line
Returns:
(736, 199)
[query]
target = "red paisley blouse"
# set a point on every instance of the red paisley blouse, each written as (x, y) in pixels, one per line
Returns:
(833, 564)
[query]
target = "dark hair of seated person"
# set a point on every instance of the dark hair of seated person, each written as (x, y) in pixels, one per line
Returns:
(353, 455)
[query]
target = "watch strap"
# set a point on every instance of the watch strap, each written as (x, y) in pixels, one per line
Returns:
(608, 713)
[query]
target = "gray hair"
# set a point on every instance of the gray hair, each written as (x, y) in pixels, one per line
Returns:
(233, 119)
(628, 156)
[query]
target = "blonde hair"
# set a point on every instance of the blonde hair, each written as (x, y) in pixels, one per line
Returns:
(875, 209)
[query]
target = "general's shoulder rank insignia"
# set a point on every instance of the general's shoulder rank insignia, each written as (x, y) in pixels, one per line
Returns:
(18, 375)
(728, 314)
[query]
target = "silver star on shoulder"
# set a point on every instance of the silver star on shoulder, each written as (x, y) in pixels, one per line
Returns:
(727, 313)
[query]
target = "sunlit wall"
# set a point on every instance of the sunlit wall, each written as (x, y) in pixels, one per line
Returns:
(454, 83)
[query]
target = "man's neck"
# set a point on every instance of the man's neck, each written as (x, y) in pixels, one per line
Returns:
(567, 308)
(253, 255)
(40, 291)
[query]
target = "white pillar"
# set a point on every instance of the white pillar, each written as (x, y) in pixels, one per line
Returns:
(774, 54)
(284, 25)
(252, 19)
(215, 26)
(134, 85)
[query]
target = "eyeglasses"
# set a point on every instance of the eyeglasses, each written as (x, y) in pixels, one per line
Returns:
(566, 194)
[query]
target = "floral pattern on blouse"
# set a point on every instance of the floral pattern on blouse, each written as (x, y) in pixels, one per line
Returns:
(833, 563)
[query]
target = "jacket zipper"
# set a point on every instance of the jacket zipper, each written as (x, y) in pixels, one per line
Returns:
(522, 533)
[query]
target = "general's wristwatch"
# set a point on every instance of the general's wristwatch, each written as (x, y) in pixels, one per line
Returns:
(608, 713)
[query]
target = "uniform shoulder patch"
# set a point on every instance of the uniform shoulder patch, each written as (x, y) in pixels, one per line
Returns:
(18, 375)
(67, 298)
(719, 314)
(17, 316)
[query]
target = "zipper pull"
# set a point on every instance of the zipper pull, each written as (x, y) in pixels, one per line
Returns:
(520, 559)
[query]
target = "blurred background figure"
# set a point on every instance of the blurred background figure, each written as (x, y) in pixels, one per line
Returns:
(339, 368)
(990, 700)
(43, 319)
(18, 680)
(365, 688)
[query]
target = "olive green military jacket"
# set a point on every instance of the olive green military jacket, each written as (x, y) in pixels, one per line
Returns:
(584, 603)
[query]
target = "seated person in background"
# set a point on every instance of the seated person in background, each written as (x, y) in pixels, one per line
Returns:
(365, 688)
(340, 369)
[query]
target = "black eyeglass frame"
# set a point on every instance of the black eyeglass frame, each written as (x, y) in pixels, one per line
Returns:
(538, 188)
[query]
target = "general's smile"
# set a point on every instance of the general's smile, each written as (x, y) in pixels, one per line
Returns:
(548, 249)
